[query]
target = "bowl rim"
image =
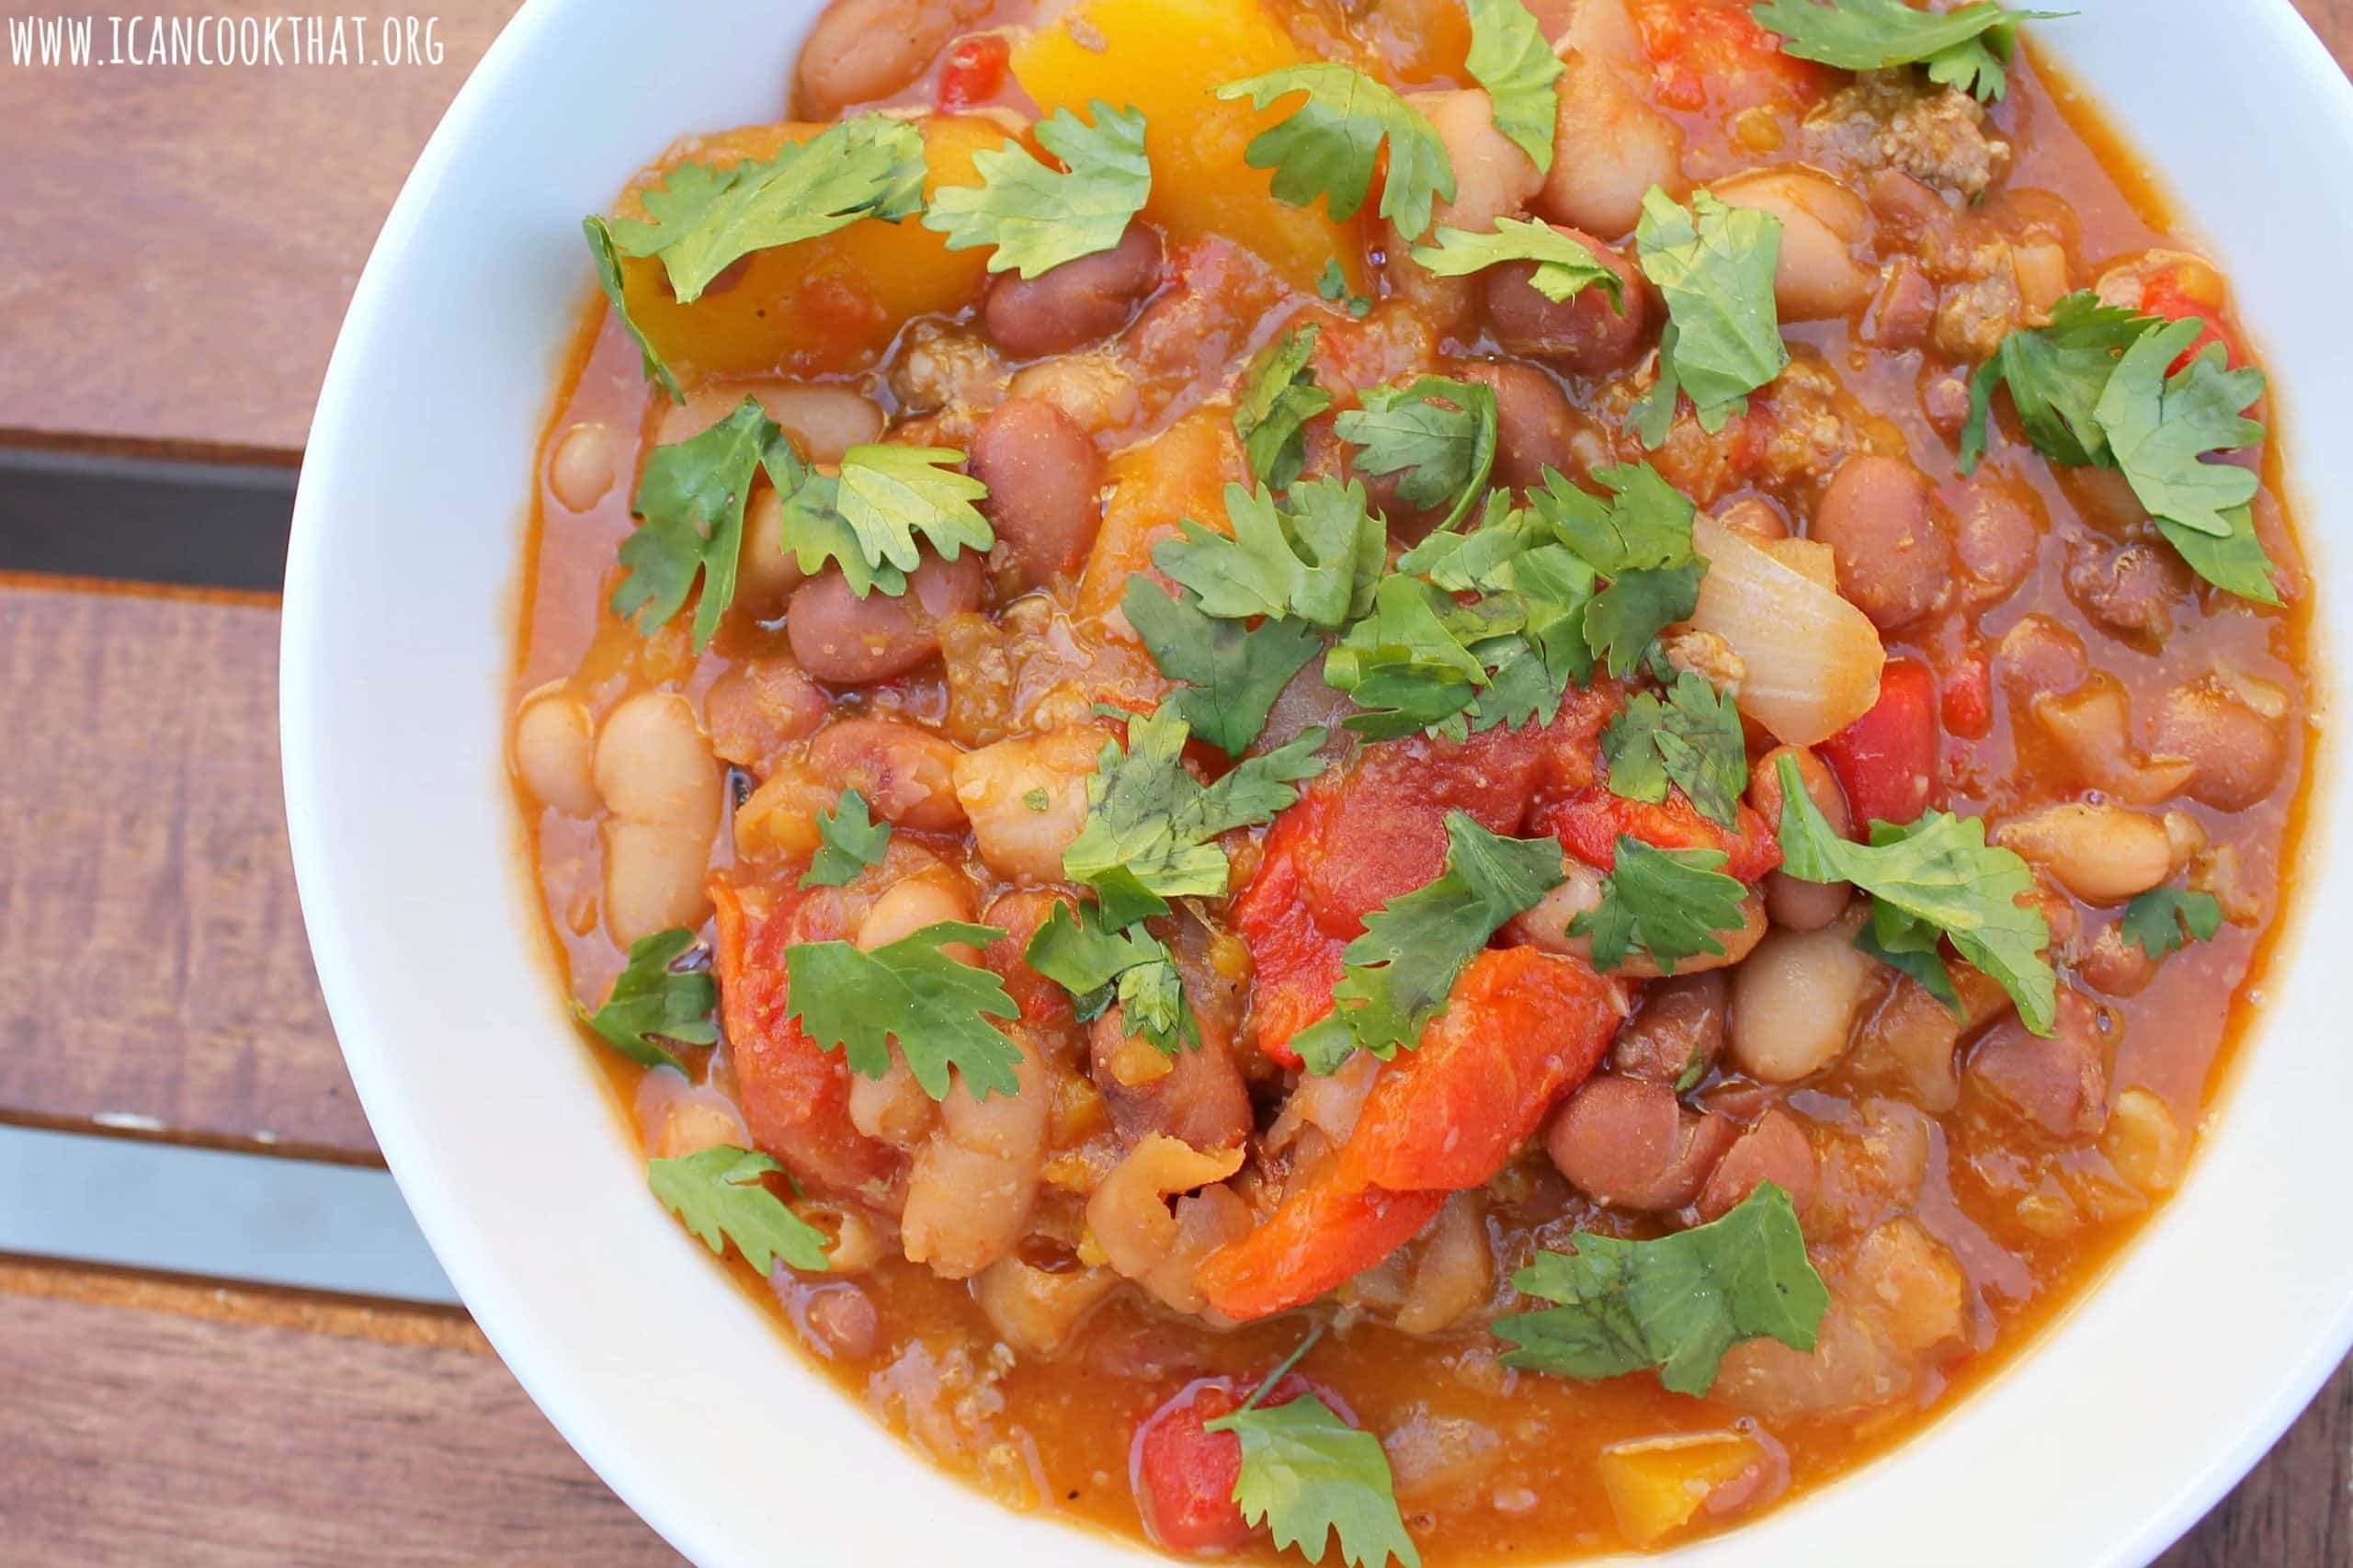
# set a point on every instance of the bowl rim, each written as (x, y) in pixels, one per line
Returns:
(398, 1116)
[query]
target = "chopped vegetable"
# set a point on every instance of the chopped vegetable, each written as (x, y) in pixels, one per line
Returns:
(1665, 904)
(1038, 217)
(1310, 1477)
(721, 1196)
(1400, 970)
(1235, 672)
(1657, 1486)
(690, 510)
(1641, 539)
(1099, 966)
(1966, 46)
(1333, 286)
(2056, 374)
(850, 840)
(935, 1006)
(1713, 265)
(2164, 919)
(1887, 761)
(1439, 433)
(1676, 1304)
(1511, 58)
(1329, 145)
(652, 1002)
(703, 219)
(608, 279)
(1692, 740)
(1313, 556)
(1939, 869)
(1278, 397)
(1564, 267)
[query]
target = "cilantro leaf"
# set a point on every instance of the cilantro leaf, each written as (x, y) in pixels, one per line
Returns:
(652, 1002)
(1399, 972)
(1641, 539)
(2237, 563)
(1692, 740)
(1940, 871)
(1439, 433)
(1676, 1304)
(1328, 145)
(1965, 47)
(1149, 822)
(1097, 966)
(1906, 942)
(909, 990)
(1564, 267)
(1039, 216)
(1309, 1477)
(851, 840)
(2055, 374)
(1410, 663)
(1234, 673)
(1511, 58)
(690, 510)
(1333, 286)
(608, 279)
(889, 493)
(718, 1193)
(1713, 265)
(2164, 919)
(704, 218)
(2160, 428)
(1666, 904)
(1311, 556)
(1278, 397)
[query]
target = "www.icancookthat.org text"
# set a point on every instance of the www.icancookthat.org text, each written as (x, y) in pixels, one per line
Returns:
(88, 41)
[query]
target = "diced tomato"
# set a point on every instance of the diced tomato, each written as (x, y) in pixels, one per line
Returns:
(1968, 696)
(795, 1096)
(1887, 760)
(1587, 822)
(973, 71)
(2171, 292)
(1183, 1474)
(1714, 53)
(1294, 961)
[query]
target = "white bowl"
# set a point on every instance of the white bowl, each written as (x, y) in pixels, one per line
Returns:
(2110, 1437)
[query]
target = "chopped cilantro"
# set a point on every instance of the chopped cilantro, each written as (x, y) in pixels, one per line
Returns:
(1906, 942)
(1311, 556)
(608, 279)
(1333, 286)
(1512, 59)
(2236, 563)
(909, 990)
(720, 1195)
(2162, 428)
(1564, 267)
(850, 840)
(1691, 739)
(1037, 800)
(1399, 972)
(1039, 216)
(1310, 1477)
(1665, 904)
(1641, 539)
(1676, 1304)
(1331, 144)
(1713, 265)
(2164, 919)
(1235, 672)
(1099, 966)
(2056, 374)
(1149, 822)
(1278, 397)
(703, 219)
(1966, 46)
(691, 519)
(1939, 871)
(1419, 658)
(652, 1002)
(1439, 433)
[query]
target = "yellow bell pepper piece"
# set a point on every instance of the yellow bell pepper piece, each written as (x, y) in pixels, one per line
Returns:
(1656, 1484)
(1167, 58)
(832, 303)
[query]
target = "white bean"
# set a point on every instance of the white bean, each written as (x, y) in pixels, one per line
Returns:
(1608, 149)
(1793, 1002)
(1027, 799)
(971, 1189)
(1822, 221)
(660, 787)
(581, 470)
(555, 751)
(2100, 852)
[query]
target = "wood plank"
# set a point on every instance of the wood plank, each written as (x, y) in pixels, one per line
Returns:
(158, 1422)
(2295, 1509)
(183, 239)
(157, 979)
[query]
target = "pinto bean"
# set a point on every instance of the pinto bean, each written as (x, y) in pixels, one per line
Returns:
(1534, 424)
(1998, 524)
(2238, 753)
(1609, 147)
(2100, 852)
(1197, 1095)
(758, 706)
(766, 570)
(1043, 474)
(660, 787)
(906, 772)
(1793, 1002)
(1629, 1143)
(555, 751)
(2040, 654)
(1775, 1150)
(1822, 222)
(581, 470)
(1755, 519)
(2055, 1083)
(1068, 306)
(1681, 1024)
(1877, 517)
(1797, 905)
(1036, 1311)
(841, 638)
(864, 50)
(1586, 331)
(2129, 589)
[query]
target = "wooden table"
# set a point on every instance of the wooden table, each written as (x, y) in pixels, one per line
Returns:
(178, 249)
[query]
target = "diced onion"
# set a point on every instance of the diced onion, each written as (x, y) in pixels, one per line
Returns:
(1812, 659)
